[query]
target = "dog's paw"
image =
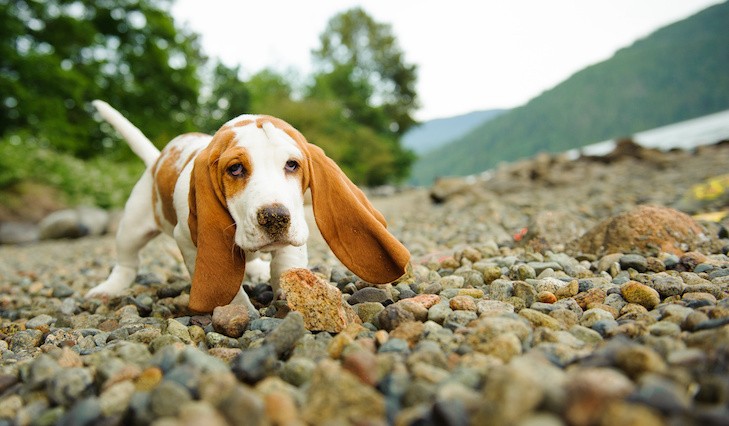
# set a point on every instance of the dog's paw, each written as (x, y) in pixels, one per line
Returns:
(106, 290)
(96, 293)
(120, 279)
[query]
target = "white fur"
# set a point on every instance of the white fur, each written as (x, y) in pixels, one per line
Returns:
(269, 149)
(134, 137)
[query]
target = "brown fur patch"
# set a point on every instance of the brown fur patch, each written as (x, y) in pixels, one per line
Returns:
(232, 185)
(165, 179)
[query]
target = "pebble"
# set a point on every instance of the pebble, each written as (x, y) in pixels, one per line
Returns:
(592, 316)
(370, 294)
(635, 292)
(231, 320)
(633, 261)
(319, 303)
(493, 307)
(667, 285)
(463, 303)
(394, 315)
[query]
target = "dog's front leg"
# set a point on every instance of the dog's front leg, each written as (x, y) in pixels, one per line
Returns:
(284, 259)
(242, 299)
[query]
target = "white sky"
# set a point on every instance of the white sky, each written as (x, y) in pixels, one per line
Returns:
(471, 54)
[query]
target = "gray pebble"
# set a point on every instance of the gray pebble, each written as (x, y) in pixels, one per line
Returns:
(634, 261)
(168, 398)
(62, 290)
(471, 278)
(25, 340)
(458, 319)
(525, 292)
(665, 328)
(202, 361)
(671, 261)
(585, 334)
(217, 340)
(501, 289)
(39, 321)
(667, 285)
(392, 316)
(540, 267)
(451, 282)
(439, 312)
(84, 412)
(718, 273)
(394, 345)
(254, 364)
(70, 384)
(370, 294)
(522, 272)
(185, 375)
(605, 327)
(297, 370)
(661, 394)
(264, 324)
(712, 323)
(287, 333)
(40, 370)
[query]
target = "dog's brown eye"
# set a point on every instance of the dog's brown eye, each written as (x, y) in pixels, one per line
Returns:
(291, 166)
(236, 170)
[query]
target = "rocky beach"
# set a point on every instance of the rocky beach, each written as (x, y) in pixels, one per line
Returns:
(548, 292)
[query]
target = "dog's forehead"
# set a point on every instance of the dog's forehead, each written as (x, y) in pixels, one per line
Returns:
(256, 133)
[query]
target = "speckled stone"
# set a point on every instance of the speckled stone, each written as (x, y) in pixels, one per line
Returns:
(320, 303)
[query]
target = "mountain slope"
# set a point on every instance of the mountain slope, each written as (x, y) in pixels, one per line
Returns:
(676, 73)
(435, 133)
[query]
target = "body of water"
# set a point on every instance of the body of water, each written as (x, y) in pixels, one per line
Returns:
(687, 134)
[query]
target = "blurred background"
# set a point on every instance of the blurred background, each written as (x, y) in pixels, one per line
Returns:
(397, 94)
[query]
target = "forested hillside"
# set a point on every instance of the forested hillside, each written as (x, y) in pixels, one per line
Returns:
(433, 134)
(679, 72)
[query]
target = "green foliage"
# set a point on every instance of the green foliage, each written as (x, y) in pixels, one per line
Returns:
(99, 181)
(362, 67)
(677, 73)
(228, 98)
(57, 55)
(268, 89)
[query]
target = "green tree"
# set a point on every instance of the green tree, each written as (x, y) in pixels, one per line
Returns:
(57, 55)
(269, 90)
(228, 97)
(361, 68)
(361, 64)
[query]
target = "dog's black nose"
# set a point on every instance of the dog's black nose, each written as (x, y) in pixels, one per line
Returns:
(274, 219)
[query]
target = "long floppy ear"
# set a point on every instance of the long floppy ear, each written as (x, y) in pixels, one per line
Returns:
(355, 231)
(220, 263)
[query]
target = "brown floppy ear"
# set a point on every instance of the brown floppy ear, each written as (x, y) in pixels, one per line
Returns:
(220, 264)
(355, 231)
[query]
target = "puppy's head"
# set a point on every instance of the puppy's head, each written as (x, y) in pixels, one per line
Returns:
(247, 194)
(257, 169)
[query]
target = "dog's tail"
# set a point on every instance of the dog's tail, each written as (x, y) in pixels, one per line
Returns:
(136, 140)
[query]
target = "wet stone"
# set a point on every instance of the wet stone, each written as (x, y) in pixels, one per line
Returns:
(633, 261)
(254, 364)
(370, 294)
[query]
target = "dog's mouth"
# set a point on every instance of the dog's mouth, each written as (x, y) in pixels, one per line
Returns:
(272, 246)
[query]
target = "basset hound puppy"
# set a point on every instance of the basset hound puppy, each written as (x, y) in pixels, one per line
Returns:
(227, 198)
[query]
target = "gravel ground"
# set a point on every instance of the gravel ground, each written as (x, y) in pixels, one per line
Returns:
(500, 323)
